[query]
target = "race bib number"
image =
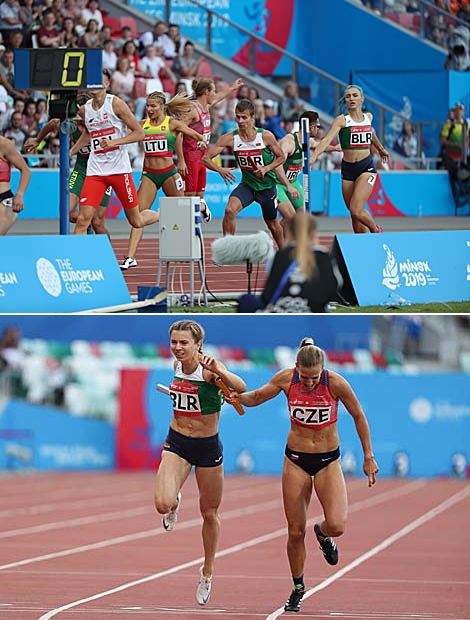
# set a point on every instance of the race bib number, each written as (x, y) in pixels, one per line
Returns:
(156, 145)
(250, 160)
(85, 150)
(310, 416)
(361, 137)
(293, 172)
(179, 182)
(185, 399)
(97, 136)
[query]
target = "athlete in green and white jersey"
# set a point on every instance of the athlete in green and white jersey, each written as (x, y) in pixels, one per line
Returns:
(258, 154)
(193, 440)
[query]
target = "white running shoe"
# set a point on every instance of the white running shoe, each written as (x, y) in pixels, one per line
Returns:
(206, 214)
(204, 588)
(128, 262)
(170, 519)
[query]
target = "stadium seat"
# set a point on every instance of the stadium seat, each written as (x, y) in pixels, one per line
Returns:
(128, 20)
(168, 86)
(205, 70)
(113, 23)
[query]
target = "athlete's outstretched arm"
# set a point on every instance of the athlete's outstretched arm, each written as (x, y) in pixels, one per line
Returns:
(215, 149)
(337, 124)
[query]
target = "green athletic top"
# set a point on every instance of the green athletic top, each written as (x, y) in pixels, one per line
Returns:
(294, 163)
(192, 396)
(253, 155)
(356, 135)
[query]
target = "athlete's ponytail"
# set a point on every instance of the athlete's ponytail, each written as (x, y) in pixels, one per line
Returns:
(309, 355)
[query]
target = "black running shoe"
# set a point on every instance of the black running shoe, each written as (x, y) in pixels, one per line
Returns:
(327, 545)
(294, 600)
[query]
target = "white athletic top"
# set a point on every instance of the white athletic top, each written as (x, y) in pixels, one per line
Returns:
(104, 123)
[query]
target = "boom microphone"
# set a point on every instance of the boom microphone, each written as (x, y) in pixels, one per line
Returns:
(238, 249)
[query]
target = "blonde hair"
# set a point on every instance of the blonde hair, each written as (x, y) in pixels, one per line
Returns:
(301, 227)
(309, 355)
(200, 85)
(196, 330)
(179, 106)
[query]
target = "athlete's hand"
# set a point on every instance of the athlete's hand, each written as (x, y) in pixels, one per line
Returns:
(385, 155)
(209, 363)
(182, 168)
(30, 145)
(18, 203)
(260, 172)
(293, 192)
(105, 143)
(201, 145)
(227, 175)
(370, 469)
(236, 85)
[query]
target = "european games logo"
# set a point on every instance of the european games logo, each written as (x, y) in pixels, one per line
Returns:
(48, 277)
(421, 410)
(391, 279)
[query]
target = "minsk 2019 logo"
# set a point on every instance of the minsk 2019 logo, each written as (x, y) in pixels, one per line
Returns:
(49, 277)
(391, 277)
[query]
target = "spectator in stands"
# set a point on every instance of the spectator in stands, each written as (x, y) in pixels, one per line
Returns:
(91, 36)
(122, 80)
(15, 130)
(17, 39)
(12, 17)
(42, 116)
(291, 106)
(4, 106)
(7, 73)
(453, 137)
(253, 93)
(154, 37)
(51, 153)
(30, 123)
(11, 354)
(70, 37)
(18, 106)
(260, 117)
(11, 204)
(71, 9)
(92, 11)
(464, 13)
(173, 42)
(109, 55)
(129, 51)
(458, 58)
(181, 88)
(272, 120)
(186, 66)
(303, 276)
(32, 13)
(48, 34)
(152, 63)
(407, 143)
(105, 34)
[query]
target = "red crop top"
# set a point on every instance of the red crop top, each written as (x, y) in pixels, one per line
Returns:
(315, 409)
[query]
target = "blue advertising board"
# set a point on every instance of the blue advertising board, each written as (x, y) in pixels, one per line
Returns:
(37, 437)
(409, 267)
(53, 273)
(406, 414)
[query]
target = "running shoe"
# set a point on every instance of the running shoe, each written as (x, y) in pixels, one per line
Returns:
(128, 262)
(206, 215)
(204, 588)
(170, 519)
(379, 228)
(90, 230)
(327, 545)
(294, 601)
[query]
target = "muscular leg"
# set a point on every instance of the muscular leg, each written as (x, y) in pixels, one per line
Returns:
(73, 208)
(85, 215)
(234, 206)
(171, 476)
(348, 190)
(7, 219)
(331, 492)
(98, 222)
(362, 190)
(296, 493)
(276, 231)
(287, 211)
(210, 481)
(147, 193)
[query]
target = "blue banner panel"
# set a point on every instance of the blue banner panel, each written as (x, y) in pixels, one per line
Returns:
(421, 420)
(37, 437)
(412, 267)
(52, 273)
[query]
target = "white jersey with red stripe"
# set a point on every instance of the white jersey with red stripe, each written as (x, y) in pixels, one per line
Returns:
(104, 123)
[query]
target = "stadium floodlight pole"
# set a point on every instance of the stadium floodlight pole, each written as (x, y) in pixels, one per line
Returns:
(305, 127)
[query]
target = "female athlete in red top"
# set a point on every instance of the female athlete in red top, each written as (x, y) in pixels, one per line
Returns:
(312, 451)
(11, 204)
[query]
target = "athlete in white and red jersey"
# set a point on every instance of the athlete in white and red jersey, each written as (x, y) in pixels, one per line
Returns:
(109, 125)
(312, 451)
(11, 204)
(358, 171)
(190, 166)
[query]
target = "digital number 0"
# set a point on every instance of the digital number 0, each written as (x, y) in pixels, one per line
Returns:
(66, 81)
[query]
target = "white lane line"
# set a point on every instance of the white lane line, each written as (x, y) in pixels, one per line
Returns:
(234, 549)
(427, 516)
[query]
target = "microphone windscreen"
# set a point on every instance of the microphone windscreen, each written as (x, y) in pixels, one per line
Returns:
(237, 249)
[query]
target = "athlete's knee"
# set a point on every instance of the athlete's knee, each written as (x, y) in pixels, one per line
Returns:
(296, 532)
(336, 526)
(232, 208)
(164, 503)
(210, 515)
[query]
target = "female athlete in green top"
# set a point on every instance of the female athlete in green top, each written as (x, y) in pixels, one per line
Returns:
(160, 143)
(193, 440)
(358, 170)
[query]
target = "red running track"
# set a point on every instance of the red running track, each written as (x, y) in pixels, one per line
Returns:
(89, 546)
(220, 279)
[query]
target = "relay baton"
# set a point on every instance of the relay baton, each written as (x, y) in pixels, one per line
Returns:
(227, 391)
(305, 126)
(163, 389)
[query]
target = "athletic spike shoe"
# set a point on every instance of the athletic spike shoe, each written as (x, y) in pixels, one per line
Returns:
(90, 230)
(327, 545)
(128, 262)
(203, 591)
(206, 214)
(170, 519)
(294, 601)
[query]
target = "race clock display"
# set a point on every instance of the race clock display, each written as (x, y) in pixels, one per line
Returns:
(58, 69)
